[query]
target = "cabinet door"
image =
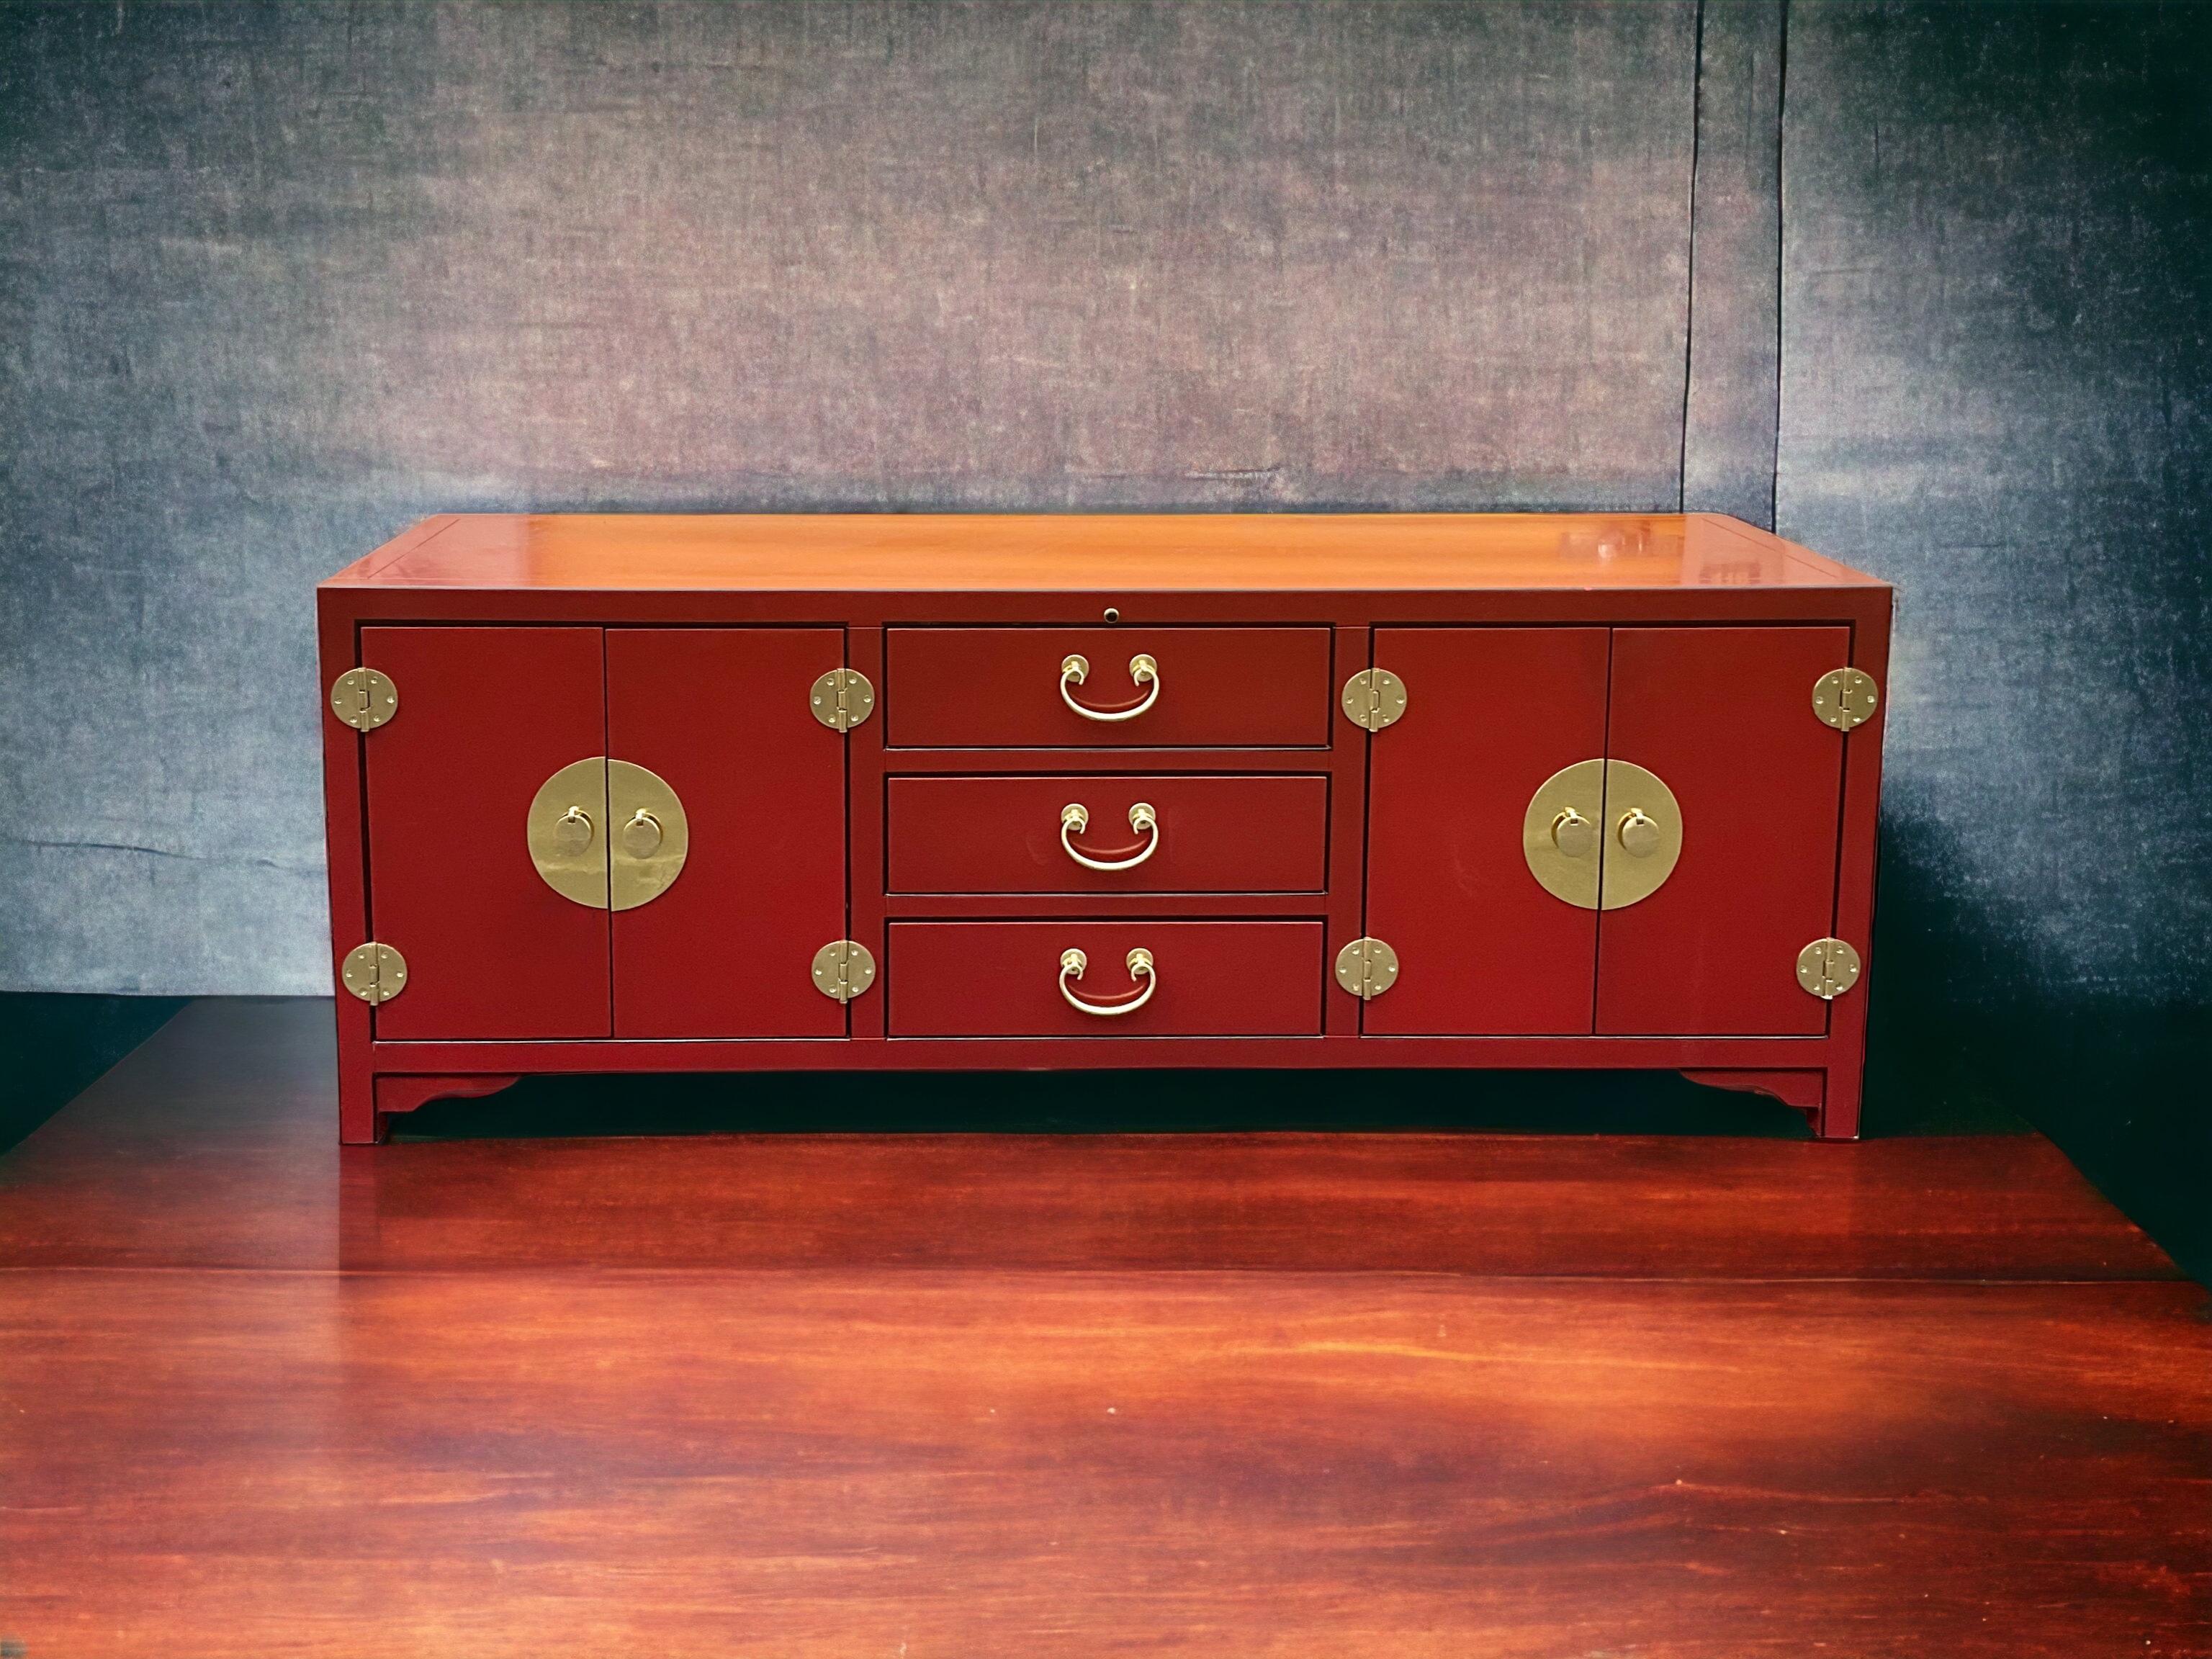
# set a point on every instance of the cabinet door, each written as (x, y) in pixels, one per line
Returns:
(722, 714)
(1491, 713)
(486, 715)
(1725, 717)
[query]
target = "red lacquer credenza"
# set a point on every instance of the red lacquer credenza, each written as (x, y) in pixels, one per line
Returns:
(660, 793)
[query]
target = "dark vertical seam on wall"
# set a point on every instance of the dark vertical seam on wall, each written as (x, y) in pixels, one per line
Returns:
(1690, 275)
(1781, 251)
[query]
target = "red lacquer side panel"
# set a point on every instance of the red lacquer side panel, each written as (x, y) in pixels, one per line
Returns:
(1002, 834)
(1491, 713)
(345, 822)
(486, 715)
(1724, 716)
(722, 714)
(1002, 979)
(999, 688)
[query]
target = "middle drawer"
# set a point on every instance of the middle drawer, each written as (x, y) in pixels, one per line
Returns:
(1101, 834)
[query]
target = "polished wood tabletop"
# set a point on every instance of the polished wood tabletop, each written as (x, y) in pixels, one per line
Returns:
(1090, 552)
(953, 1394)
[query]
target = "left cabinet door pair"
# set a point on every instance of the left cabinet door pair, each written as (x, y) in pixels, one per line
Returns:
(488, 715)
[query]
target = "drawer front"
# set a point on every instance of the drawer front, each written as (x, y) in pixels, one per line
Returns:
(1002, 688)
(973, 979)
(1166, 835)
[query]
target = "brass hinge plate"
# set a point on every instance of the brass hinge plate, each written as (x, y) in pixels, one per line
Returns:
(842, 698)
(1367, 968)
(1846, 697)
(843, 969)
(1374, 698)
(375, 972)
(1827, 967)
(363, 698)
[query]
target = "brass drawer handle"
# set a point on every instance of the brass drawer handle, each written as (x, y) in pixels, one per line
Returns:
(1073, 670)
(1075, 817)
(1071, 964)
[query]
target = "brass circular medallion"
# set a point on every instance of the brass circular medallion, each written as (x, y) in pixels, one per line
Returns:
(656, 838)
(564, 835)
(1559, 836)
(1642, 836)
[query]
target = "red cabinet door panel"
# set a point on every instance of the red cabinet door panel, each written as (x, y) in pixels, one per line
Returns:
(1000, 688)
(1216, 834)
(1724, 716)
(982, 979)
(1491, 713)
(722, 714)
(486, 715)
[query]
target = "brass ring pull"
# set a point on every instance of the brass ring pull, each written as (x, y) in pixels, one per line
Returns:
(641, 835)
(1575, 836)
(572, 831)
(1075, 818)
(1639, 833)
(1074, 669)
(1140, 962)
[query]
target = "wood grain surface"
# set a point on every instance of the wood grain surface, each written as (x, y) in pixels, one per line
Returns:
(959, 1395)
(1158, 552)
(209, 1147)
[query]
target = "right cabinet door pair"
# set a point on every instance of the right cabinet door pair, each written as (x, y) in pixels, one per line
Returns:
(1722, 716)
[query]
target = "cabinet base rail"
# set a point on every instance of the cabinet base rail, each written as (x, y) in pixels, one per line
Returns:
(1812, 1080)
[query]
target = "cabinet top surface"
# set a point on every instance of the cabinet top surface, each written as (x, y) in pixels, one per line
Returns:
(890, 552)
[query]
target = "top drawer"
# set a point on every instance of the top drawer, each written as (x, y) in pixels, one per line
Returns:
(1132, 688)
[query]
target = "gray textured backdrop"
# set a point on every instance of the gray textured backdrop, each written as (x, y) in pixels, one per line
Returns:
(276, 280)
(1997, 392)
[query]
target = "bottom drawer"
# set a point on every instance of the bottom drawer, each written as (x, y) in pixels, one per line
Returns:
(1006, 979)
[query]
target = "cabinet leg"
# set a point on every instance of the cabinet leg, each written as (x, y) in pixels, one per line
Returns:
(358, 1123)
(1839, 1111)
